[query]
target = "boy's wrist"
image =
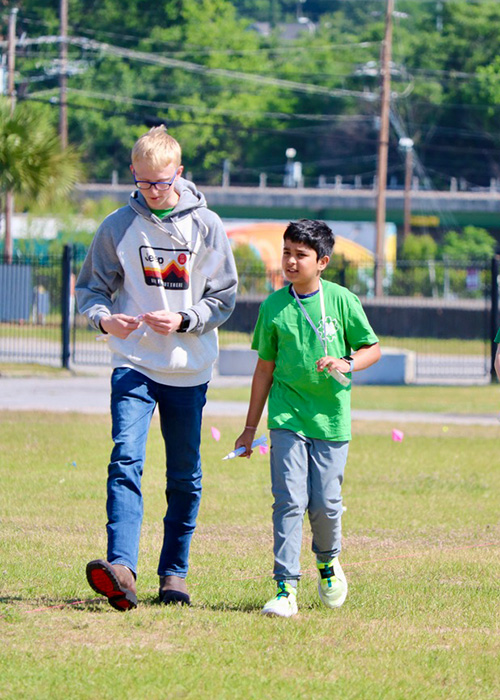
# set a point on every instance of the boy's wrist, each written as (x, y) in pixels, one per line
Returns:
(101, 328)
(185, 322)
(350, 362)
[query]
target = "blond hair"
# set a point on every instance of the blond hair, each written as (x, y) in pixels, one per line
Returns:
(158, 148)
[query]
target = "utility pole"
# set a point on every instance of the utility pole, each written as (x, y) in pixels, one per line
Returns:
(63, 79)
(11, 92)
(383, 149)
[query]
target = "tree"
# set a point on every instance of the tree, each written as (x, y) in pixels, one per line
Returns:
(474, 244)
(252, 274)
(32, 162)
(415, 247)
(445, 76)
(449, 105)
(415, 273)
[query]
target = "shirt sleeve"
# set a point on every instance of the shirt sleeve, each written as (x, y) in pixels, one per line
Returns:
(101, 275)
(264, 336)
(358, 331)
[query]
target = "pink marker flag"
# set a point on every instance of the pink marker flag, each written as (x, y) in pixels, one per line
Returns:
(397, 435)
(263, 449)
(215, 434)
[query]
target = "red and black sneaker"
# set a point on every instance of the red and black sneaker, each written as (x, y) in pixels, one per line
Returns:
(102, 578)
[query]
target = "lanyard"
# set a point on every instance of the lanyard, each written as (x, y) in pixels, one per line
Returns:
(324, 342)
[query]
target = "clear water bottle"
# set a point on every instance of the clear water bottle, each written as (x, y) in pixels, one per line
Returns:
(338, 376)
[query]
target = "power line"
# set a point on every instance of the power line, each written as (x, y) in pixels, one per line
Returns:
(157, 104)
(141, 118)
(155, 59)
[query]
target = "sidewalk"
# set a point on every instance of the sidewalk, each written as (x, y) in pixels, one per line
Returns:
(90, 394)
(86, 394)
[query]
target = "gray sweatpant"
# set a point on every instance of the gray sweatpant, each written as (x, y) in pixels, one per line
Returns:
(306, 474)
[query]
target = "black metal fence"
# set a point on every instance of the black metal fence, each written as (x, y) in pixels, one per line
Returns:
(444, 313)
(36, 309)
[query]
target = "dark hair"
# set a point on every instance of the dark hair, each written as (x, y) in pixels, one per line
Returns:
(315, 234)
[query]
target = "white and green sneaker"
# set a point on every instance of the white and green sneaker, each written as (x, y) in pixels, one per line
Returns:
(284, 603)
(332, 584)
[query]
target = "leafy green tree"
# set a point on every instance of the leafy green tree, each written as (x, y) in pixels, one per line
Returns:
(31, 159)
(104, 19)
(32, 162)
(445, 78)
(252, 274)
(446, 56)
(102, 127)
(262, 10)
(415, 247)
(474, 244)
(99, 209)
(221, 117)
(415, 274)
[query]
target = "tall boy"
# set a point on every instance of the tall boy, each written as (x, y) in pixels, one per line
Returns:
(304, 330)
(158, 280)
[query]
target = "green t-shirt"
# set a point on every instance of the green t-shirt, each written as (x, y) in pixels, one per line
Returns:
(497, 337)
(162, 213)
(302, 399)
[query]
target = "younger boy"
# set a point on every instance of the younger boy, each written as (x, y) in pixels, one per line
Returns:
(303, 331)
(158, 280)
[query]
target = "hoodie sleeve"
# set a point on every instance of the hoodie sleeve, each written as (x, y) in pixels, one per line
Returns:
(219, 295)
(102, 273)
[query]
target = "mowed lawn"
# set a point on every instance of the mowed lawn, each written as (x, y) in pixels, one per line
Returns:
(432, 399)
(421, 536)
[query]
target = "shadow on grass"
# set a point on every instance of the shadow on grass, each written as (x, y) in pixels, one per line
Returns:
(40, 605)
(101, 605)
(222, 606)
(217, 606)
(10, 600)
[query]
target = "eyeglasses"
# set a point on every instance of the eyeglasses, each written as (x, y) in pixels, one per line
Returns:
(161, 185)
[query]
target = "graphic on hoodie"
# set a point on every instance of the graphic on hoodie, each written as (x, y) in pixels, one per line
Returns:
(165, 267)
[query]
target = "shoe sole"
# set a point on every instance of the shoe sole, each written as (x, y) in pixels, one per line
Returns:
(268, 613)
(174, 598)
(102, 579)
(273, 613)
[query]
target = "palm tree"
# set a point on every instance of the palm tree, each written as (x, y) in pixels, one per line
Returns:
(32, 162)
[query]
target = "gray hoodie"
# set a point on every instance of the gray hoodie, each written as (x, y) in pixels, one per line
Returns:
(139, 263)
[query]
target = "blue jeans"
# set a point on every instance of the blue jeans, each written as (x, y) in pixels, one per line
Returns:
(133, 400)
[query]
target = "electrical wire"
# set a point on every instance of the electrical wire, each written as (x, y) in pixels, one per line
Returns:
(189, 66)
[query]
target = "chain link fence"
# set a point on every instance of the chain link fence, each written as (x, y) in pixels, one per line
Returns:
(444, 312)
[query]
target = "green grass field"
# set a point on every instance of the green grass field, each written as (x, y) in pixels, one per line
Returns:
(433, 346)
(52, 331)
(433, 399)
(421, 536)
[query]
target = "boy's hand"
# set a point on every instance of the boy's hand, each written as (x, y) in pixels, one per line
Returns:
(120, 325)
(163, 322)
(328, 362)
(245, 440)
